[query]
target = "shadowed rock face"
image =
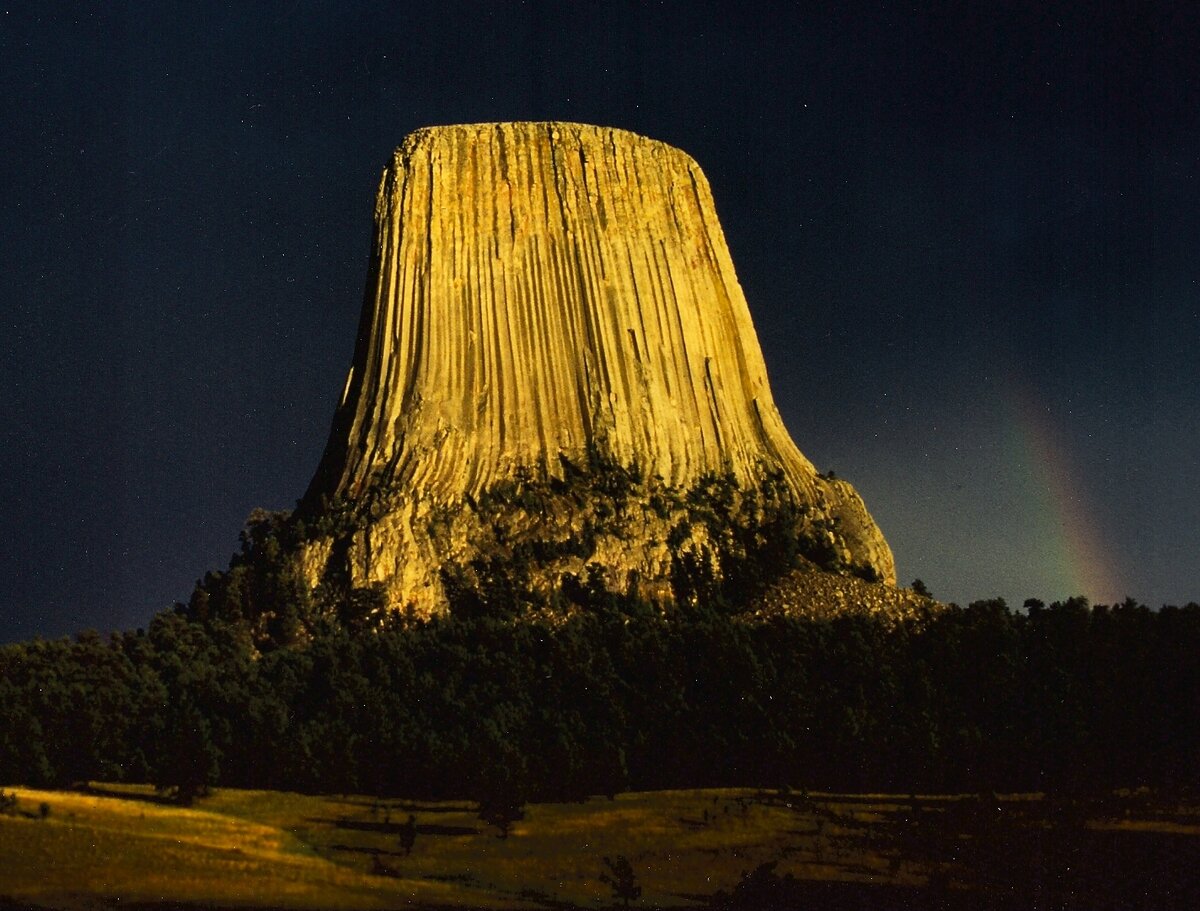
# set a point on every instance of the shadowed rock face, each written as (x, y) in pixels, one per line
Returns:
(543, 299)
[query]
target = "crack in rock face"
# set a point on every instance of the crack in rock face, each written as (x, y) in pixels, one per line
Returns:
(554, 358)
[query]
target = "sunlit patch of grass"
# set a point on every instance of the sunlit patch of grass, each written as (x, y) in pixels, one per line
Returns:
(127, 849)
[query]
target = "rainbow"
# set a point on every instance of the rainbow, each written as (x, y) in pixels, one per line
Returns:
(1070, 533)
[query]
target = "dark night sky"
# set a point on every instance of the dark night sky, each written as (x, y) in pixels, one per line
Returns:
(970, 242)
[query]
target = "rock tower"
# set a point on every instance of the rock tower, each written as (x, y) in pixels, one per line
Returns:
(556, 365)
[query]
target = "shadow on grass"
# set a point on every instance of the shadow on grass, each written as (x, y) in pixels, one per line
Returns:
(1140, 891)
(158, 799)
(390, 828)
(408, 806)
(1062, 851)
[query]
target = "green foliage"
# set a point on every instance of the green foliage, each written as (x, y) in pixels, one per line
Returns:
(362, 608)
(188, 762)
(408, 835)
(755, 535)
(762, 887)
(501, 811)
(619, 876)
(728, 544)
(617, 694)
(262, 588)
(501, 785)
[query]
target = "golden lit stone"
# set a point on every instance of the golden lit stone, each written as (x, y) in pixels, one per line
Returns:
(541, 293)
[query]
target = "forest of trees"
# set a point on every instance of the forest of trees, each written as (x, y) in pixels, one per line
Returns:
(610, 694)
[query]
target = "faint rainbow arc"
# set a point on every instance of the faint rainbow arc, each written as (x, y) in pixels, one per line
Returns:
(1077, 546)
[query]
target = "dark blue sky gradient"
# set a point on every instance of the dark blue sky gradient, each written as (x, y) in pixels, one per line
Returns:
(953, 228)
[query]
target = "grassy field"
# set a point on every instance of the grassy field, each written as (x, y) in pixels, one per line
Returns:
(119, 845)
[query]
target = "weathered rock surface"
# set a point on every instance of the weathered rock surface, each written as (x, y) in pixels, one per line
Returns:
(809, 593)
(551, 310)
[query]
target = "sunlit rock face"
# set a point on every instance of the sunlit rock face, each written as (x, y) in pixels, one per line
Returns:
(554, 356)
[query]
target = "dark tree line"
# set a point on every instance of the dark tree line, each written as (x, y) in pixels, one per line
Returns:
(610, 695)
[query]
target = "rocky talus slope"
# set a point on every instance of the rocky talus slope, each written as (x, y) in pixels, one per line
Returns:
(554, 358)
(809, 592)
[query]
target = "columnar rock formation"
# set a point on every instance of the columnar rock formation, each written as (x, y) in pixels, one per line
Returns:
(543, 299)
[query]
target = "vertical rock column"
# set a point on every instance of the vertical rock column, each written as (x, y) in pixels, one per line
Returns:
(539, 292)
